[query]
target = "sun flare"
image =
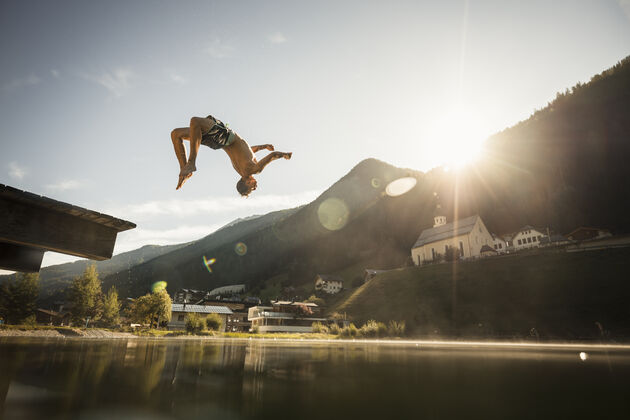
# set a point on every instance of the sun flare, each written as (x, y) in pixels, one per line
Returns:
(458, 138)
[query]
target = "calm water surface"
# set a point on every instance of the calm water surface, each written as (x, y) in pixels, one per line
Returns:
(230, 379)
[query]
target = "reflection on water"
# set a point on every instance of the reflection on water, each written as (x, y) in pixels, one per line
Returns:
(189, 379)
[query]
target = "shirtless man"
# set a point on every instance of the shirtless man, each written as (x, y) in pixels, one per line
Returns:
(213, 133)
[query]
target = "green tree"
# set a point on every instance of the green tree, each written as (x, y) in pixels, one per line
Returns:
(152, 308)
(18, 297)
(213, 322)
(316, 300)
(86, 296)
(111, 308)
(194, 323)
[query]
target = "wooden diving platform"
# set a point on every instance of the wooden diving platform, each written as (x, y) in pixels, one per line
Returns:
(31, 225)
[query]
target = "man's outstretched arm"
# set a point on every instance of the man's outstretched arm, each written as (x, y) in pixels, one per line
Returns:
(271, 157)
(262, 147)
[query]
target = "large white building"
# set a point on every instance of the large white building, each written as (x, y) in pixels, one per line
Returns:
(468, 235)
(527, 237)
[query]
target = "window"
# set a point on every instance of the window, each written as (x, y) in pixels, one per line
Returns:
(432, 253)
(180, 317)
(495, 246)
(500, 245)
(519, 241)
(539, 238)
(445, 249)
(461, 248)
(534, 239)
(529, 240)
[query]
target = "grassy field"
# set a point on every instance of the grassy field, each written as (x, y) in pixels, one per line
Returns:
(538, 295)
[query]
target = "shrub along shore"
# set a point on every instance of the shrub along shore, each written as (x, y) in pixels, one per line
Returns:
(369, 331)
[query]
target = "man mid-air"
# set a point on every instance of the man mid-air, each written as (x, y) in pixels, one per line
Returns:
(213, 133)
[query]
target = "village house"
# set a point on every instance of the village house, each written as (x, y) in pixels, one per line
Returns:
(488, 251)
(467, 235)
(189, 296)
(328, 283)
(179, 311)
(527, 237)
(588, 233)
(554, 240)
(285, 316)
(500, 244)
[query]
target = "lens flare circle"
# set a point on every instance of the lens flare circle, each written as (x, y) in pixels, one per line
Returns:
(333, 213)
(400, 186)
(208, 263)
(240, 249)
(158, 286)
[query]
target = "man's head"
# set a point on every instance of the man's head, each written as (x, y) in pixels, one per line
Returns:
(246, 185)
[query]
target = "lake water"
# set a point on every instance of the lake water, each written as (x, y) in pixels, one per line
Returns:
(237, 379)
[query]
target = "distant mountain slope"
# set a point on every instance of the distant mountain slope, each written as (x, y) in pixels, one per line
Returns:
(54, 280)
(296, 243)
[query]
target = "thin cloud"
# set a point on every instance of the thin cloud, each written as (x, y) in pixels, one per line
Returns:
(117, 82)
(70, 184)
(219, 49)
(277, 38)
(180, 80)
(16, 171)
(185, 208)
(55, 73)
(22, 82)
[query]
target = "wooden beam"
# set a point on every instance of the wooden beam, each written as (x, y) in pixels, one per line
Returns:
(47, 229)
(20, 258)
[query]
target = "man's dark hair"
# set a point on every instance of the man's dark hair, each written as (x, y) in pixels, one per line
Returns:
(243, 188)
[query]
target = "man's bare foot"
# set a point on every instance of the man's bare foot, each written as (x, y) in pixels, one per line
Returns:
(182, 180)
(287, 156)
(187, 170)
(269, 147)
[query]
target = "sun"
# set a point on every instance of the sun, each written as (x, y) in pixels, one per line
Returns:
(458, 137)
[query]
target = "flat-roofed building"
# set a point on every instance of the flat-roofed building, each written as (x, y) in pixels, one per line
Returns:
(285, 316)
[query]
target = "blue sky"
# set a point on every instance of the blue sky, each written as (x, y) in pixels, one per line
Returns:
(89, 92)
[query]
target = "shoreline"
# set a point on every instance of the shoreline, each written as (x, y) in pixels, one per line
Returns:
(92, 334)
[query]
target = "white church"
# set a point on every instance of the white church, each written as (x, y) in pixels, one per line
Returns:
(469, 235)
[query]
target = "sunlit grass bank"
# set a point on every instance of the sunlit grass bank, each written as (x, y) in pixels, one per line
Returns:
(546, 296)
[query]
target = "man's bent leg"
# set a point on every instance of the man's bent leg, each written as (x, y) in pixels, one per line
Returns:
(197, 127)
(263, 147)
(178, 136)
(269, 158)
